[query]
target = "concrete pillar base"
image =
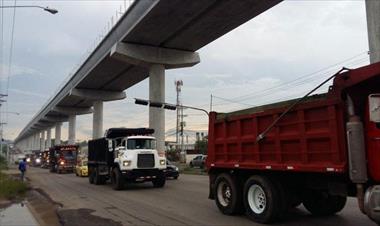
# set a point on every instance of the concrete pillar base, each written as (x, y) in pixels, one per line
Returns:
(157, 94)
(57, 140)
(48, 138)
(97, 120)
(42, 141)
(72, 122)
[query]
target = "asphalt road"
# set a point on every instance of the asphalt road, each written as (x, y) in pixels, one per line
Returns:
(180, 202)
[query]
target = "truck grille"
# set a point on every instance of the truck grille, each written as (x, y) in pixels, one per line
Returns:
(145, 160)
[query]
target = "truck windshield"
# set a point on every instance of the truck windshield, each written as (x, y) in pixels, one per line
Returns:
(141, 144)
(68, 154)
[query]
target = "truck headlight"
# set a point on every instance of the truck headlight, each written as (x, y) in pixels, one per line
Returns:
(162, 162)
(176, 168)
(127, 163)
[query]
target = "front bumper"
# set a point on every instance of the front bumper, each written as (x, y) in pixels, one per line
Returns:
(142, 174)
(66, 168)
(84, 173)
(171, 173)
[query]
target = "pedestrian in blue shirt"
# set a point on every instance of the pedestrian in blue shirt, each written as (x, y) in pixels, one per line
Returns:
(22, 168)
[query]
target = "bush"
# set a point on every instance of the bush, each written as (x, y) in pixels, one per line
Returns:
(11, 188)
(3, 163)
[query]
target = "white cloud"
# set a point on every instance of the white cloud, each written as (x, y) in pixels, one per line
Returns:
(27, 93)
(18, 70)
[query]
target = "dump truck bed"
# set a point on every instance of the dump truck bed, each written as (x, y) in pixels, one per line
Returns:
(310, 138)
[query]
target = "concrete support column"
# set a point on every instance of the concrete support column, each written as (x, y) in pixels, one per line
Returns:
(97, 120)
(38, 141)
(34, 137)
(157, 94)
(42, 141)
(30, 141)
(373, 24)
(48, 138)
(72, 122)
(57, 140)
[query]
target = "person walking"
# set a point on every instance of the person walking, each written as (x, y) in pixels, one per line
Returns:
(22, 168)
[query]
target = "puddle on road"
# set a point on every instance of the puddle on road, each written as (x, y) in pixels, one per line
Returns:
(17, 214)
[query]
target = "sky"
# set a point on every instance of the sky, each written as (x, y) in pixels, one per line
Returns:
(281, 54)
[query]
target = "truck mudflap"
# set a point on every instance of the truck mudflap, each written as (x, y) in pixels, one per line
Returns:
(142, 174)
(372, 203)
(211, 188)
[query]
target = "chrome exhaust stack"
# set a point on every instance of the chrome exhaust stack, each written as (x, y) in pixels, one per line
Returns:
(356, 152)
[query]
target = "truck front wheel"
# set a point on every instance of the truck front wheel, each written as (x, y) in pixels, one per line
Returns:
(321, 203)
(261, 200)
(117, 179)
(227, 195)
(159, 182)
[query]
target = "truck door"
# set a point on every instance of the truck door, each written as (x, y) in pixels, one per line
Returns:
(373, 137)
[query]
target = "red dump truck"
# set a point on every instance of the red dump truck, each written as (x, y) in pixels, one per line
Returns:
(317, 150)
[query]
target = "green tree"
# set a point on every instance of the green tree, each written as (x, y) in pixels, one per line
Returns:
(202, 145)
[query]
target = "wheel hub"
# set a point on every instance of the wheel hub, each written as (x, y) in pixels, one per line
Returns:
(256, 199)
(224, 193)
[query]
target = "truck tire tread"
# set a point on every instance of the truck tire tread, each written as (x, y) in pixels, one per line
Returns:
(117, 179)
(272, 209)
(159, 182)
(235, 206)
(321, 203)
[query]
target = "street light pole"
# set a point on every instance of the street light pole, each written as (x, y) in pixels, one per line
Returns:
(47, 9)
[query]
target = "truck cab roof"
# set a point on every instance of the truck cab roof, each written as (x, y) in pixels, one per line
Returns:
(141, 137)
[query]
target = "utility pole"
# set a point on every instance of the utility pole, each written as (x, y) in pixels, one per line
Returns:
(178, 84)
(373, 25)
(1, 123)
(180, 122)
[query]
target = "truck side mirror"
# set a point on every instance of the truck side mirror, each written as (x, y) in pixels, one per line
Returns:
(374, 108)
(110, 145)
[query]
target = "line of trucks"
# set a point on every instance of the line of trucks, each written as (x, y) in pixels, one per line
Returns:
(263, 161)
(124, 155)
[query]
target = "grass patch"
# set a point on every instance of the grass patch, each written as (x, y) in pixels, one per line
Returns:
(3, 163)
(11, 188)
(185, 169)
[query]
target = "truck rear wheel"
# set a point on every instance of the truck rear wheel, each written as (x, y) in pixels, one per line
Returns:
(228, 195)
(97, 177)
(261, 199)
(321, 203)
(90, 175)
(117, 179)
(159, 182)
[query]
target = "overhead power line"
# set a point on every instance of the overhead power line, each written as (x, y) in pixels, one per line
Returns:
(10, 60)
(305, 79)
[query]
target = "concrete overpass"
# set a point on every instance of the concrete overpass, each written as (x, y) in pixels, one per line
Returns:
(152, 36)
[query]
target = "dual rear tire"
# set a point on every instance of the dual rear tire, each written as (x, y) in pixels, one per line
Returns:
(228, 194)
(266, 200)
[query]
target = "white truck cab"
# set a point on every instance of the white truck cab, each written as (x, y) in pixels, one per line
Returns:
(139, 152)
(126, 155)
